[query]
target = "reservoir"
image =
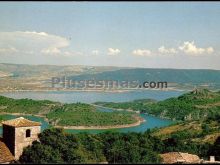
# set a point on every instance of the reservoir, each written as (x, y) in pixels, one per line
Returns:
(91, 97)
(151, 122)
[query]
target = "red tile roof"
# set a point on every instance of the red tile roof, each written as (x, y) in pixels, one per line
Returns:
(5, 154)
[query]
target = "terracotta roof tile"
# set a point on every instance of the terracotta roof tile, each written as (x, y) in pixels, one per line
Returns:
(5, 154)
(21, 122)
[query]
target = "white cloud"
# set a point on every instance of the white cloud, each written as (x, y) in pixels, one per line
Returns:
(142, 52)
(36, 33)
(8, 50)
(191, 49)
(35, 42)
(57, 52)
(164, 50)
(95, 52)
(112, 51)
(72, 53)
(210, 50)
(52, 50)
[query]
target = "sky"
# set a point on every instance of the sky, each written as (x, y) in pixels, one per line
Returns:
(127, 34)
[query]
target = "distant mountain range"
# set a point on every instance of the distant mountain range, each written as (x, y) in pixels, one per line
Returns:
(24, 70)
(148, 74)
(178, 78)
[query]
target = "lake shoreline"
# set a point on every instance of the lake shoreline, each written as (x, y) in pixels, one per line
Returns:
(138, 112)
(139, 121)
(91, 90)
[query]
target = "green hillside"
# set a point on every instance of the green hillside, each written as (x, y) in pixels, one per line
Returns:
(26, 106)
(200, 131)
(195, 105)
(76, 114)
(80, 114)
(136, 105)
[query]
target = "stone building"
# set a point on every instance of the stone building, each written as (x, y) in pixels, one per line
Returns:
(18, 134)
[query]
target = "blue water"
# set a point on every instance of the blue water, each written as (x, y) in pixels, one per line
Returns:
(90, 97)
(151, 122)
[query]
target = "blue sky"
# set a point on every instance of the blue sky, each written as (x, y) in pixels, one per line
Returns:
(134, 34)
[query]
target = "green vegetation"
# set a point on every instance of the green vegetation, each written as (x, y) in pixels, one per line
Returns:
(55, 146)
(198, 104)
(86, 115)
(198, 129)
(197, 137)
(196, 132)
(136, 105)
(27, 106)
(77, 114)
(201, 131)
(4, 117)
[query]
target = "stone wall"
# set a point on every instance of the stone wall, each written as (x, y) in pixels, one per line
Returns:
(21, 141)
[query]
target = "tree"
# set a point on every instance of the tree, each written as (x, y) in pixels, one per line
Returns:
(40, 154)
